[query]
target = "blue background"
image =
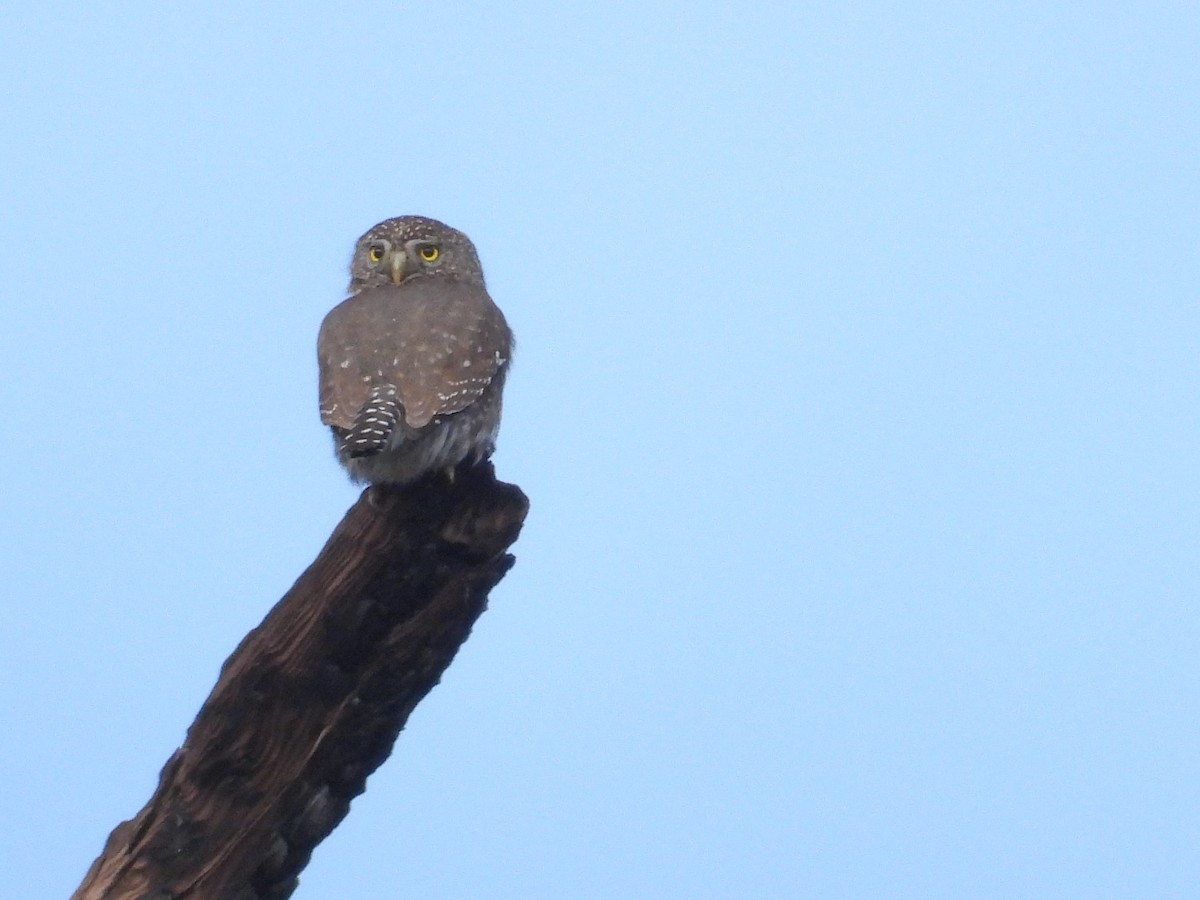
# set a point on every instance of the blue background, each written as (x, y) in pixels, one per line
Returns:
(856, 396)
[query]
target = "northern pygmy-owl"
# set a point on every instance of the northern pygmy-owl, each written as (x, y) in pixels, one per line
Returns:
(412, 363)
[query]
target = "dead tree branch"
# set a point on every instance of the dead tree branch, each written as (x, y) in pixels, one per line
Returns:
(313, 699)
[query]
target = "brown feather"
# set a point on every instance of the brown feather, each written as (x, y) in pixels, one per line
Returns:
(439, 341)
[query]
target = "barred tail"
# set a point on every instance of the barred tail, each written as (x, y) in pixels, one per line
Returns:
(374, 424)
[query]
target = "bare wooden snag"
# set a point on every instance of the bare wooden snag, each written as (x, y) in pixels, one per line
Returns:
(313, 699)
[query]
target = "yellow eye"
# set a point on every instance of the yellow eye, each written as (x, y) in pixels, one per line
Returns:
(375, 254)
(429, 254)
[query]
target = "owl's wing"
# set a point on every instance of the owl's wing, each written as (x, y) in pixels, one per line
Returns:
(343, 383)
(462, 344)
(440, 342)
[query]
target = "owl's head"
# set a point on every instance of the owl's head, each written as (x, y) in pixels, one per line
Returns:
(407, 247)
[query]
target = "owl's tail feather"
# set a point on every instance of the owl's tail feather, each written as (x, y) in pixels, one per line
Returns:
(374, 424)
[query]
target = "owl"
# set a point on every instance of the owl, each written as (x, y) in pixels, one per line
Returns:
(412, 364)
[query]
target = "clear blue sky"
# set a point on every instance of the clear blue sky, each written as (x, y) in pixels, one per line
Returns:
(856, 396)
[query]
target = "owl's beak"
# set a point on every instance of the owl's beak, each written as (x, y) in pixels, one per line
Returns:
(398, 261)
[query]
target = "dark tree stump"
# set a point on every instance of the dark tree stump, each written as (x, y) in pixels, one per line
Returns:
(313, 699)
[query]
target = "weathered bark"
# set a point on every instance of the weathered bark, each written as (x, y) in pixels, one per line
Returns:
(312, 700)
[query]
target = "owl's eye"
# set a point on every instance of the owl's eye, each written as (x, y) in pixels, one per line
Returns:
(375, 254)
(430, 253)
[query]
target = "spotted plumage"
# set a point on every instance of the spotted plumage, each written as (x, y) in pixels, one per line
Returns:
(373, 426)
(413, 362)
